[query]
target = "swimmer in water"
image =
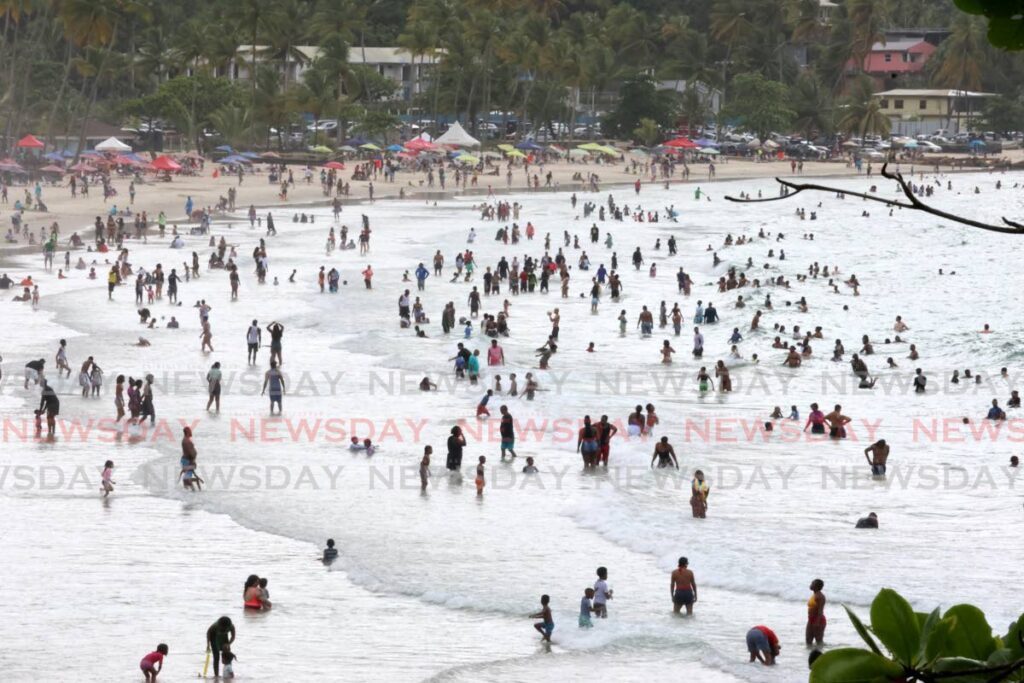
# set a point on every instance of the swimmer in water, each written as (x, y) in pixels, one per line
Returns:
(683, 587)
(877, 454)
(664, 454)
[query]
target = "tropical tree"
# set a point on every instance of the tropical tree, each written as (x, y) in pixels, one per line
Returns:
(862, 112)
(648, 132)
(960, 59)
(813, 106)
(760, 105)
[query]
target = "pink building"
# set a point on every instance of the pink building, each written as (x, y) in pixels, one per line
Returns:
(898, 57)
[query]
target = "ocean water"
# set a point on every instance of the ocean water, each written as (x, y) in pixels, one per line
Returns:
(440, 585)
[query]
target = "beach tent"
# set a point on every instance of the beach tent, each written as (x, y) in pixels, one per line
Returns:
(236, 159)
(578, 153)
(51, 168)
(355, 142)
(165, 163)
(467, 159)
(395, 148)
(30, 142)
(54, 156)
(321, 149)
(516, 154)
(224, 148)
(456, 135)
(251, 155)
(113, 145)
(591, 147)
(681, 143)
(505, 147)
(11, 166)
(346, 148)
(335, 165)
(370, 146)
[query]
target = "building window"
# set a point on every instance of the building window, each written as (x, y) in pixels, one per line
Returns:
(888, 57)
(897, 104)
(406, 73)
(922, 104)
(907, 58)
(884, 104)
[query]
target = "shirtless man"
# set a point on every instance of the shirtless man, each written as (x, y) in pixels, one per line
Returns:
(877, 454)
(664, 454)
(837, 423)
(682, 587)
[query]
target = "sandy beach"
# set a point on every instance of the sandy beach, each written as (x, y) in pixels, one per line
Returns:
(78, 213)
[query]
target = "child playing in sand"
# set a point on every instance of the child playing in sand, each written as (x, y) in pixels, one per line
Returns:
(153, 663)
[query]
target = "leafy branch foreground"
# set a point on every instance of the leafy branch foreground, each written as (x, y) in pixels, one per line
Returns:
(954, 647)
(1011, 228)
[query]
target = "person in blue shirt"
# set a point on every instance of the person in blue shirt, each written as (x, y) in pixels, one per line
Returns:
(421, 277)
(995, 412)
(736, 337)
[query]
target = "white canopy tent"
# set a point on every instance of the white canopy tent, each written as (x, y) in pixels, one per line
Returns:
(457, 135)
(113, 145)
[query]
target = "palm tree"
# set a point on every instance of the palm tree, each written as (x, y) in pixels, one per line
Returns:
(250, 17)
(867, 23)
(961, 58)
(862, 111)
(285, 25)
(315, 95)
(813, 105)
(419, 39)
(233, 123)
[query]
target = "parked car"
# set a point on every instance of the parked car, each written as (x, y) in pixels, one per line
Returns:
(928, 146)
(871, 153)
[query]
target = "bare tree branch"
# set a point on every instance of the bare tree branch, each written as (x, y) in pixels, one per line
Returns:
(1013, 228)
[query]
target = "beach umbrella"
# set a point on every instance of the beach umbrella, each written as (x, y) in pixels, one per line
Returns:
(251, 155)
(705, 142)
(395, 148)
(165, 163)
(225, 148)
(236, 159)
(346, 148)
(467, 159)
(529, 146)
(591, 147)
(406, 155)
(11, 166)
(321, 149)
(578, 153)
(516, 154)
(270, 155)
(54, 156)
(556, 149)
(976, 143)
(709, 150)
(372, 147)
(681, 143)
(850, 143)
(505, 147)
(30, 142)
(611, 151)
(417, 145)
(83, 167)
(335, 165)
(355, 142)
(770, 144)
(51, 168)
(113, 145)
